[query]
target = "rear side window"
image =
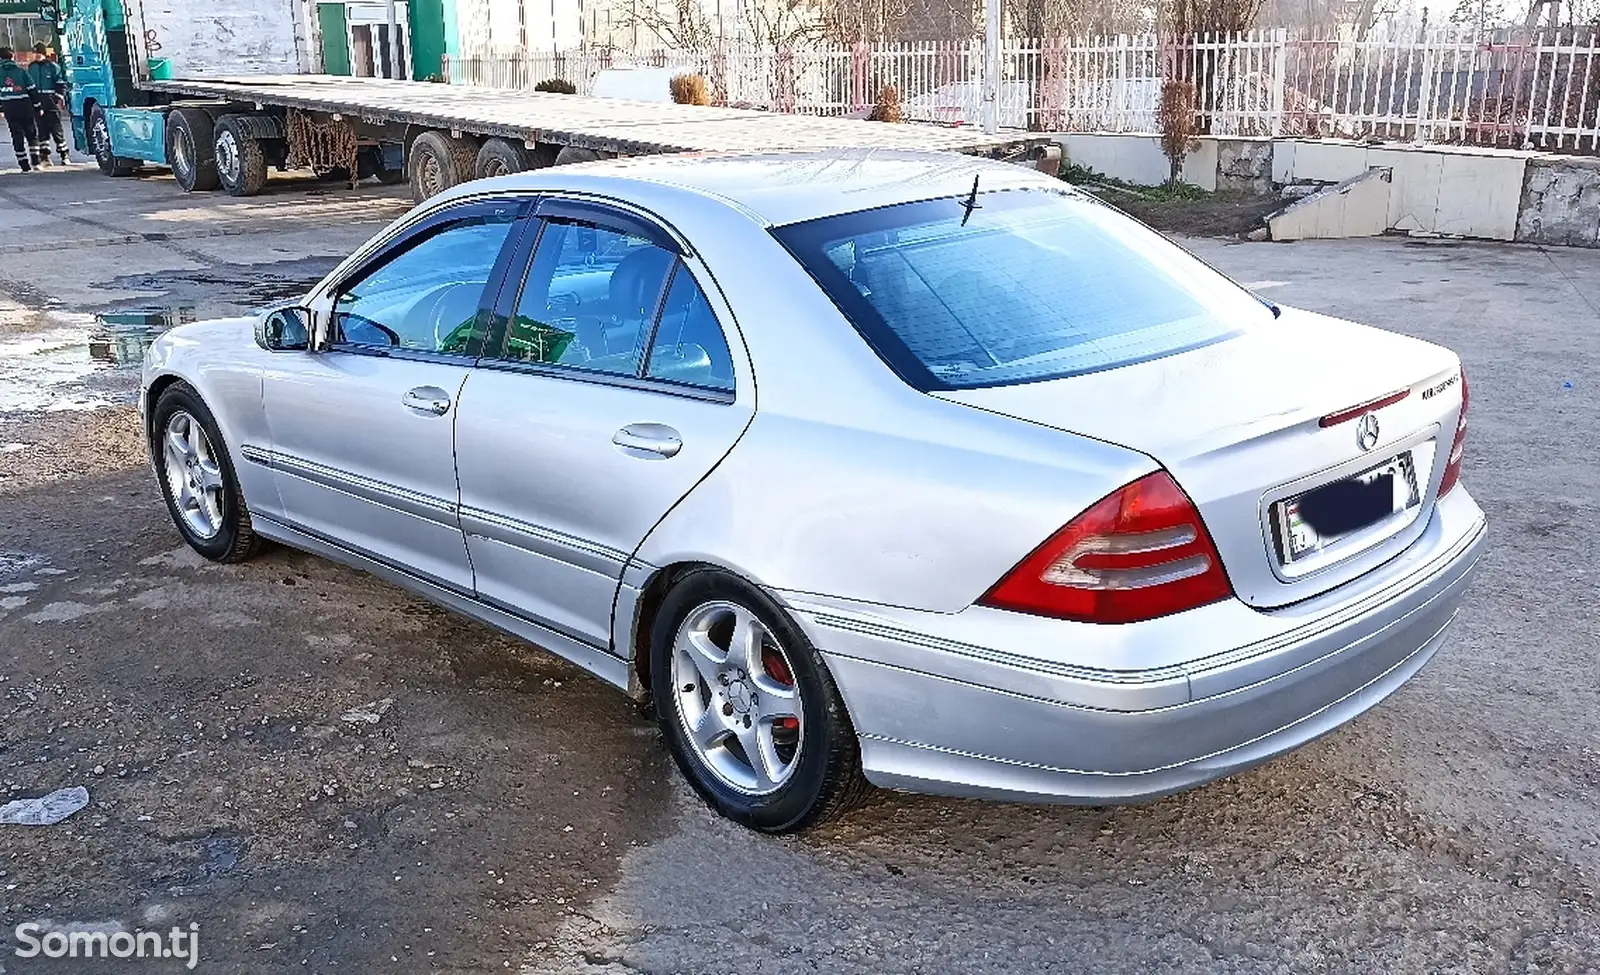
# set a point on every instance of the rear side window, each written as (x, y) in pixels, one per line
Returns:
(1026, 286)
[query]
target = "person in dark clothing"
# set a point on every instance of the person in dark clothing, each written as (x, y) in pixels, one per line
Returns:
(51, 81)
(19, 103)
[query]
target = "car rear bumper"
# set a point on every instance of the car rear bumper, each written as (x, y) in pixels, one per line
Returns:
(944, 715)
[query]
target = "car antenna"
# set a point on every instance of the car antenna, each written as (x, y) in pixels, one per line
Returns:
(971, 202)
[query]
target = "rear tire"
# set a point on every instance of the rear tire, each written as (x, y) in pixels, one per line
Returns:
(197, 478)
(812, 769)
(191, 149)
(573, 154)
(500, 158)
(241, 163)
(100, 144)
(440, 161)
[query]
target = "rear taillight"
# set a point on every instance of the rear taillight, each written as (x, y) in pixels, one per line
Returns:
(1138, 553)
(1452, 467)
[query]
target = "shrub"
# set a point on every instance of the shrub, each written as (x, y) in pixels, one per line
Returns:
(887, 108)
(690, 89)
(557, 86)
(1175, 118)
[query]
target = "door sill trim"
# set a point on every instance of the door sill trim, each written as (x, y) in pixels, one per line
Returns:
(596, 660)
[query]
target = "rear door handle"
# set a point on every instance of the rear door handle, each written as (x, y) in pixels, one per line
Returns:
(427, 399)
(654, 438)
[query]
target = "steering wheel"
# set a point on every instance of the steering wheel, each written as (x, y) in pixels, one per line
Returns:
(444, 329)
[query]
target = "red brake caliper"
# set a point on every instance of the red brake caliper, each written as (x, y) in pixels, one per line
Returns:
(778, 670)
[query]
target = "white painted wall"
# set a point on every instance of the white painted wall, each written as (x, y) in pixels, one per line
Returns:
(206, 38)
(1467, 190)
(509, 26)
(1138, 159)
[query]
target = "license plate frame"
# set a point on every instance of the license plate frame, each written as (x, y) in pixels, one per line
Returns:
(1298, 541)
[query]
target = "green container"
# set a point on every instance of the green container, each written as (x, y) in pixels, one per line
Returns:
(160, 69)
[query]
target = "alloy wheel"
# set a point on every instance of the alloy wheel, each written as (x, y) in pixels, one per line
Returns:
(193, 475)
(737, 700)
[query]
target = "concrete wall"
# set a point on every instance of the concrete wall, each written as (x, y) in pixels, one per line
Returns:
(1561, 201)
(1465, 190)
(1138, 159)
(1468, 191)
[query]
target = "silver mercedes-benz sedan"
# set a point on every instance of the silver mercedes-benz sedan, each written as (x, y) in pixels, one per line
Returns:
(899, 468)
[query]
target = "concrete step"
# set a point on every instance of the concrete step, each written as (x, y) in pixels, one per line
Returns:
(1357, 207)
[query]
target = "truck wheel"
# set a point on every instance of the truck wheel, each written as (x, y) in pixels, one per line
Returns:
(440, 161)
(500, 158)
(241, 165)
(573, 154)
(191, 149)
(100, 143)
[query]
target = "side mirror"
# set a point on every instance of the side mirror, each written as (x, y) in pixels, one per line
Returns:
(284, 330)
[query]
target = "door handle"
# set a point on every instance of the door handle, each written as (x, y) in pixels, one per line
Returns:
(655, 438)
(427, 399)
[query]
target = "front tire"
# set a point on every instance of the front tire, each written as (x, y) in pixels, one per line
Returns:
(197, 478)
(748, 709)
(109, 162)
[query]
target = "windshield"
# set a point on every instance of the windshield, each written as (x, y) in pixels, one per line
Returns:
(1028, 285)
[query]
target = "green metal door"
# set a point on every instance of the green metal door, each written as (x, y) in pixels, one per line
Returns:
(335, 38)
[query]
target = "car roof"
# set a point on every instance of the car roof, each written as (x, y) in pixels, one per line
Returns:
(786, 187)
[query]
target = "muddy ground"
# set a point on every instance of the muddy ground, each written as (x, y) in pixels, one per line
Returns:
(508, 813)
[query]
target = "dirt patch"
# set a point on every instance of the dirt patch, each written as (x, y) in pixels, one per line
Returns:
(203, 707)
(36, 448)
(1215, 215)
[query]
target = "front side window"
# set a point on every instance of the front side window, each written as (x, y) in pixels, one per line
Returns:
(1024, 286)
(590, 299)
(426, 298)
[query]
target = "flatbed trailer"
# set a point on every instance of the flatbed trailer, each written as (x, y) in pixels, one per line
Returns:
(216, 128)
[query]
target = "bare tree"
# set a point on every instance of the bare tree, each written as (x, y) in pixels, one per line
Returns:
(679, 24)
(849, 21)
(782, 24)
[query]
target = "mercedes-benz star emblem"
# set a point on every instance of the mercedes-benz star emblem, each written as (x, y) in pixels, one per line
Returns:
(1367, 431)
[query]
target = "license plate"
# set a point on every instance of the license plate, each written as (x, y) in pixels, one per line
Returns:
(1316, 519)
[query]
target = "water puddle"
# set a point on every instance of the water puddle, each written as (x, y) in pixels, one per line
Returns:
(80, 362)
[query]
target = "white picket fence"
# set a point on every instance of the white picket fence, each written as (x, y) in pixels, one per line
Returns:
(1519, 89)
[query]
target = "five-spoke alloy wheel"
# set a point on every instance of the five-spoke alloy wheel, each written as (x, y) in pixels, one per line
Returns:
(194, 480)
(747, 706)
(737, 698)
(197, 478)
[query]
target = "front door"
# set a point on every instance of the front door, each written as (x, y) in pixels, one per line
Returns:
(363, 432)
(613, 393)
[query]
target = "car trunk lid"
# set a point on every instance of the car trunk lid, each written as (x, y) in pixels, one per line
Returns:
(1248, 425)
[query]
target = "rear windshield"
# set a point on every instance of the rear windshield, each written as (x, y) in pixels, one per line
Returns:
(1030, 285)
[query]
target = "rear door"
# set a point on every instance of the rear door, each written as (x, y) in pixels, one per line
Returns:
(617, 383)
(363, 431)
